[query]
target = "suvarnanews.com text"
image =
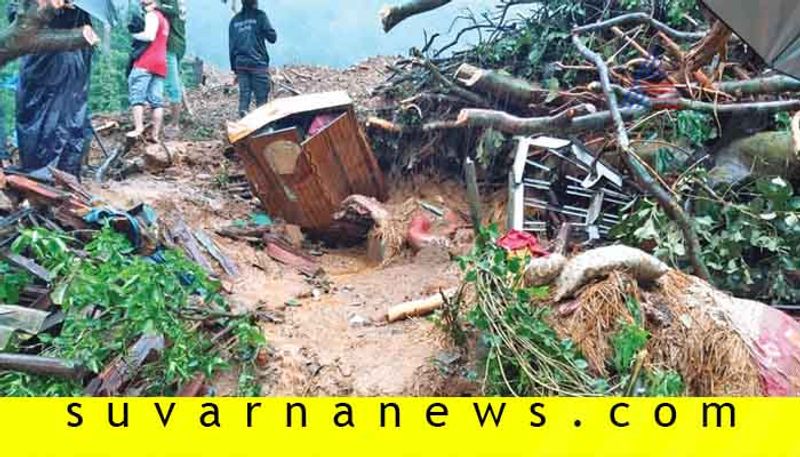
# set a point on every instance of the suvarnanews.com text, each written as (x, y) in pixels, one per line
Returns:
(297, 414)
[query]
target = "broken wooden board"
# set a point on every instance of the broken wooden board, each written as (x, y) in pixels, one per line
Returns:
(282, 252)
(181, 235)
(125, 367)
(227, 264)
(28, 265)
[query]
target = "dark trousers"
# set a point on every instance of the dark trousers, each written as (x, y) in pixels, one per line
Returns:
(252, 83)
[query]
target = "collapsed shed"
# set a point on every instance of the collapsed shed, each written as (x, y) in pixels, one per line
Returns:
(304, 155)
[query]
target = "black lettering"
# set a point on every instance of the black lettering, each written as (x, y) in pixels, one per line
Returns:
(482, 416)
(538, 415)
(124, 422)
(250, 408)
(614, 415)
(71, 410)
(164, 419)
(213, 413)
(442, 411)
(396, 408)
(348, 413)
(292, 406)
(718, 408)
(673, 415)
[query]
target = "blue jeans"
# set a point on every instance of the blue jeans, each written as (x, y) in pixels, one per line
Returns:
(145, 88)
(252, 83)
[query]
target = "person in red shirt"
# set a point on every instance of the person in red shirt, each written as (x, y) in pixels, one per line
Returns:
(146, 80)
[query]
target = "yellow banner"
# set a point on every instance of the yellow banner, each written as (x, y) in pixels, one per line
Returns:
(385, 427)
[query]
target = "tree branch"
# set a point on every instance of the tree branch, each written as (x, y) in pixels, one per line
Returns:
(393, 15)
(29, 33)
(664, 198)
(641, 18)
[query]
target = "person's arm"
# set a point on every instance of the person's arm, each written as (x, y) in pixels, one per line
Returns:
(231, 40)
(150, 28)
(265, 29)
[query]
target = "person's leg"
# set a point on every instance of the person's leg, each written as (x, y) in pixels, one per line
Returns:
(138, 83)
(261, 87)
(174, 91)
(155, 97)
(245, 92)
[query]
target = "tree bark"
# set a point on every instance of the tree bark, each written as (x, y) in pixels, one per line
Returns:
(393, 15)
(29, 33)
(712, 44)
(566, 122)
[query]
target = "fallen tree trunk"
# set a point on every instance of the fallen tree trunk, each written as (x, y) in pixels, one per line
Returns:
(507, 90)
(393, 15)
(769, 85)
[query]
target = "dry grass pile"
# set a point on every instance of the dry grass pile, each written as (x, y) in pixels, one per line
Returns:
(707, 352)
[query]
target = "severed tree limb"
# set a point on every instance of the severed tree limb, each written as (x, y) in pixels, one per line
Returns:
(29, 32)
(507, 90)
(393, 15)
(566, 122)
(641, 18)
(664, 198)
(769, 85)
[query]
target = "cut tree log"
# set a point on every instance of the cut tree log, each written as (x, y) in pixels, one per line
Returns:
(418, 308)
(505, 89)
(393, 15)
(43, 366)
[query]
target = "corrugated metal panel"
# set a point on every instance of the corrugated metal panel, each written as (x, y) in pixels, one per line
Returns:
(334, 164)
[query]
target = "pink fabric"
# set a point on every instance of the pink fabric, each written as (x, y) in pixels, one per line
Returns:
(516, 240)
(320, 122)
(778, 353)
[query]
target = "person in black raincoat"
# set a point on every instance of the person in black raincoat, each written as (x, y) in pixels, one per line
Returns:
(53, 103)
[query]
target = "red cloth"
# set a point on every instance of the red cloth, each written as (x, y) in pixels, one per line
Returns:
(778, 353)
(320, 122)
(154, 58)
(516, 240)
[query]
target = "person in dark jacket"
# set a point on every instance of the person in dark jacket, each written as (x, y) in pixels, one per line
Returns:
(53, 102)
(248, 33)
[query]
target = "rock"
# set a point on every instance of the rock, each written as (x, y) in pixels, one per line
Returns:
(359, 321)
(6, 204)
(293, 234)
(157, 158)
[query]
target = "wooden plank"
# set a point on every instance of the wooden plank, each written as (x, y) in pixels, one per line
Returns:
(123, 368)
(284, 107)
(183, 236)
(28, 265)
(227, 264)
(44, 366)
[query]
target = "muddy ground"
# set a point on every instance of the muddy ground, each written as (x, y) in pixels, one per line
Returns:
(320, 344)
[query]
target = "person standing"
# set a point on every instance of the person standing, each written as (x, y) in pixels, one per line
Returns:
(176, 13)
(248, 33)
(52, 103)
(146, 80)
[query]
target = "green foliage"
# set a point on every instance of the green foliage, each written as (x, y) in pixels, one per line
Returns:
(112, 297)
(627, 343)
(662, 383)
(750, 242)
(12, 283)
(695, 127)
(525, 354)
